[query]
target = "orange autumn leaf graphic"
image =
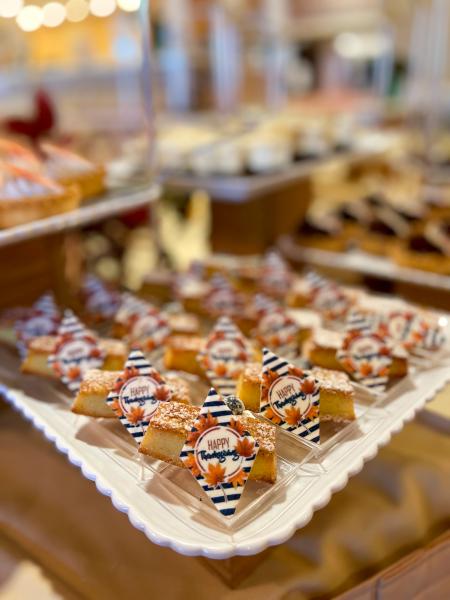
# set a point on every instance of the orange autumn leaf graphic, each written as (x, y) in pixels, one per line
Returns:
(235, 373)
(383, 330)
(308, 386)
(192, 437)
(348, 364)
(237, 426)
(154, 374)
(220, 370)
(130, 372)
(136, 415)
(274, 340)
(206, 422)
(95, 353)
(268, 378)
(73, 373)
(292, 415)
(191, 464)
(162, 393)
(118, 385)
(383, 372)
(202, 424)
(117, 408)
(312, 413)
(296, 371)
(238, 479)
(272, 416)
(149, 344)
(365, 369)
(215, 475)
(245, 447)
(57, 369)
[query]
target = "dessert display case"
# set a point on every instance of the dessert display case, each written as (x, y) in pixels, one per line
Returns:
(220, 405)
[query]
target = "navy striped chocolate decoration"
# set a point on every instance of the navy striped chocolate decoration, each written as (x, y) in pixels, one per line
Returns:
(290, 397)
(137, 393)
(224, 356)
(43, 319)
(76, 352)
(220, 454)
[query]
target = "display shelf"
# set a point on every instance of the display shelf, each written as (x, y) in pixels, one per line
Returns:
(165, 517)
(113, 203)
(243, 188)
(356, 261)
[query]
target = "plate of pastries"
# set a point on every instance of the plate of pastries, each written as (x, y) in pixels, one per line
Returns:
(249, 372)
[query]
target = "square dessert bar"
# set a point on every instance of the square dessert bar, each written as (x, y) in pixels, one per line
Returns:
(42, 347)
(336, 392)
(181, 354)
(172, 422)
(184, 324)
(94, 389)
(322, 347)
(96, 385)
(306, 320)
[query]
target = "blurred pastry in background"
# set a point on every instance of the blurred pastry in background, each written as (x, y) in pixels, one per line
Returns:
(27, 196)
(436, 198)
(429, 250)
(311, 143)
(68, 169)
(18, 155)
(158, 284)
(267, 152)
(354, 218)
(385, 231)
(229, 157)
(321, 231)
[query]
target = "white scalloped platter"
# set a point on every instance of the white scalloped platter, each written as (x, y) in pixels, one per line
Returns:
(163, 501)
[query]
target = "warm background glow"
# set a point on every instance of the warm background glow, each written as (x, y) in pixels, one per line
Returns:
(77, 10)
(10, 8)
(31, 15)
(102, 8)
(54, 14)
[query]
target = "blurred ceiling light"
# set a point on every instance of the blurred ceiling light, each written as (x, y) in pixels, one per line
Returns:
(348, 45)
(54, 14)
(102, 8)
(77, 10)
(129, 5)
(361, 46)
(9, 9)
(30, 18)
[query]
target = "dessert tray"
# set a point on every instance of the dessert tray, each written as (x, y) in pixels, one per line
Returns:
(165, 502)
